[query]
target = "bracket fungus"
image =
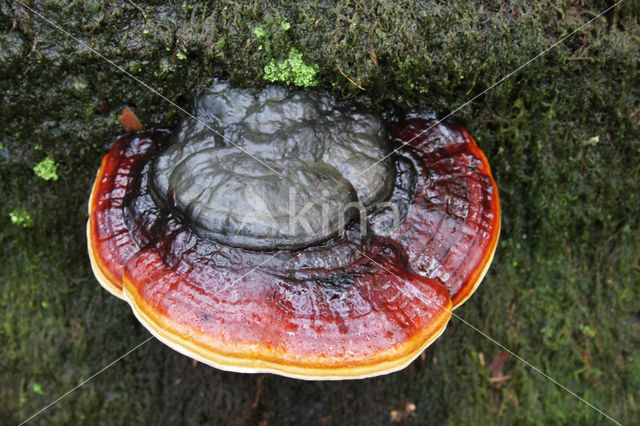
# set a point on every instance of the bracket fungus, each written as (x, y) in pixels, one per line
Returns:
(284, 232)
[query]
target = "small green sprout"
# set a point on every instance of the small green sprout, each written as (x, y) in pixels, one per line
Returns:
(46, 169)
(291, 70)
(182, 55)
(586, 330)
(285, 25)
(21, 218)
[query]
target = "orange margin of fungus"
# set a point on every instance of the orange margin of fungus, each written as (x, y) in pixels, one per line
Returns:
(252, 358)
(107, 278)
(459, 298)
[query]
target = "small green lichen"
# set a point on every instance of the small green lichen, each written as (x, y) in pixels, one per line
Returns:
(164, 66)
(46, 169)
(592, 141)
(80, 85)
(181, 55)
(291, 70)
(259, 32)
(285, 25)
(21, 217)
(37, 388)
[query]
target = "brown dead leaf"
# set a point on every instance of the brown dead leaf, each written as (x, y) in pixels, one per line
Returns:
(129, 121)
(585, 356)
(498, 363)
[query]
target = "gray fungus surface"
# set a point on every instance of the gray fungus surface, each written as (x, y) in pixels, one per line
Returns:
(283, 168)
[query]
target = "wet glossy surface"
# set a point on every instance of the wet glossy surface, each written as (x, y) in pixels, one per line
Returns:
(355, 300)
(319, 318)
(110, 240)
(343, 302)
(453, 224)
(274, 155)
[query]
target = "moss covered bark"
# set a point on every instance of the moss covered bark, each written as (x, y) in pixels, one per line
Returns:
(562, 135)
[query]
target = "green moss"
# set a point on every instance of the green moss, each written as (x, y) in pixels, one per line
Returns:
(46, 169)
(562, 137)
(292, 70)
(21, 218)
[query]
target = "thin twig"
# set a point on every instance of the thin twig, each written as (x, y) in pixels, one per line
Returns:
(350, 81)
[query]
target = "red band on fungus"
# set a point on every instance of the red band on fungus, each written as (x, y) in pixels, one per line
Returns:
(371, 313)
(110, 245)
(452, 229)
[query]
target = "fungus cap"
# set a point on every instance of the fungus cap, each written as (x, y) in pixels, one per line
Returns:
(351, 303)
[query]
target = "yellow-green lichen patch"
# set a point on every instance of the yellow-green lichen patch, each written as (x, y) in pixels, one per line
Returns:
(21, 217)
(47, 169)
(292, 70)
